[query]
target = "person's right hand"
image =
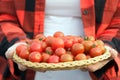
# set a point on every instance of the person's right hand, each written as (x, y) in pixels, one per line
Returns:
(9, 54)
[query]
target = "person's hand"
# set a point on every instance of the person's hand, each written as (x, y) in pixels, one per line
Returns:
(99, 65)
(9, 54)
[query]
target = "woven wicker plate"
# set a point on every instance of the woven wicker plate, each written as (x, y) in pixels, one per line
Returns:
(62, 65)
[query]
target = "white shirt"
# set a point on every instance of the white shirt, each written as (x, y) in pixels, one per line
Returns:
(65, 16)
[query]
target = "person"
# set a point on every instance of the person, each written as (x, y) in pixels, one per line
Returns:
(23, 19)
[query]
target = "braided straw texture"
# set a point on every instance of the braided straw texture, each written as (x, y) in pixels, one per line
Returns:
(62, 65)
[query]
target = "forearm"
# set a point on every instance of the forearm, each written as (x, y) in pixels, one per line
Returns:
(10, 32)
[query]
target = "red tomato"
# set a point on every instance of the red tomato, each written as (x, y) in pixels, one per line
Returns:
(24, 54)
(53, 59)
(57, 43)
(35, 46)
(66, 58)
(44, 45)
(48, 40)
(88, 56)
(102, 48)
(60, 51)
(77, 48)
(76, 39)
(49, 50)
(68, 43)
(58, 34)
(80, 57)
(45, 57)
(96, 51)
(20, 47)
(88, 44)
(99, 42)
(35, 57)
(40, 37)
(80, 39)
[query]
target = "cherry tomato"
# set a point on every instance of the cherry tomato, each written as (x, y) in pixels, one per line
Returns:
(66, 58)
(77, 48)
(19, 48)
(76, 39)
(80, 39)
(57, 43)
(40, 37)
(58, 34)
(80, 57)
(35, 57)
(95, 51)
(88, 56)
(60, 51)
(49, 50)
(48, 40)
(24, 54)
(35, 46)
(68, 42)
(44, 45)
(88, 44)
(99, 42)
(45, 57)
(53, 59)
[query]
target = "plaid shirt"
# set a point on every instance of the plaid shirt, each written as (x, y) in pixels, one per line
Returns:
(21, 19)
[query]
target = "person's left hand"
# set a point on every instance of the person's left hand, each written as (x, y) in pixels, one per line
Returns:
(99, 65)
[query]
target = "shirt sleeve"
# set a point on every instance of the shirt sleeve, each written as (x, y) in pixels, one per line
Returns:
(10, 30)
(111, 36)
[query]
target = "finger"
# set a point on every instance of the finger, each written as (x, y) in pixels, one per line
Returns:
(21, 67)
(114, 53)
(9, 53)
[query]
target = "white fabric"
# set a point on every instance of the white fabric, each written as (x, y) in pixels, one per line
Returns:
(68, 25)
(63, 8)
(65, 16)
(63, 75)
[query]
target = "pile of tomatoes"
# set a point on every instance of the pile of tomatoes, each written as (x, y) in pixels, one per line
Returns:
(60, 48)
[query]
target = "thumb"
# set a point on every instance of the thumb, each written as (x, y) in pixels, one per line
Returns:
(21, 67)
